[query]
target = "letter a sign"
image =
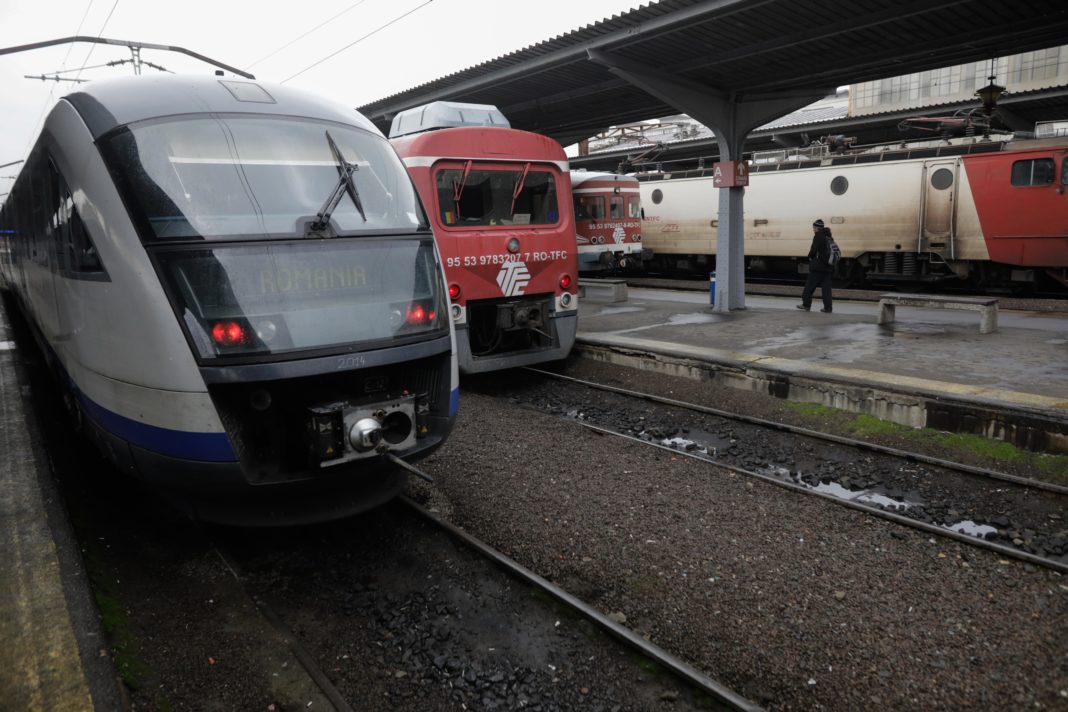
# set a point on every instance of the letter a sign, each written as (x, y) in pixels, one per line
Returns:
(730, 174)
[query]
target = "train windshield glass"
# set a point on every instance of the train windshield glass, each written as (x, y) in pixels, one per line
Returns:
(240, 301)
(226, 177)
(469, 197)
(589, 207)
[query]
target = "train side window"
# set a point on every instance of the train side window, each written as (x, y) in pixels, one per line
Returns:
(75, 250)
(1036, 171)
(617, 207)
(1064, 172)
(634, 207)
(657, 196)
(42, 205)
(839, 185)
(85, 258)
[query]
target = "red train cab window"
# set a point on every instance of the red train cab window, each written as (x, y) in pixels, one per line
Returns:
(1035, 171)
(489, 196)
(589, 207)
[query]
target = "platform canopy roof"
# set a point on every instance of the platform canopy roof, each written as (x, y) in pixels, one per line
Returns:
(565, 87)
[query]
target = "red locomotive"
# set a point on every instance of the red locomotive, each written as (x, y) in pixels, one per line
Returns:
(608, 220)
(500, 205)
(986, 214)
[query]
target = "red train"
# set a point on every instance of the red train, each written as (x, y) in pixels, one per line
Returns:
(986, 214)
(608, 221)
(500, 205)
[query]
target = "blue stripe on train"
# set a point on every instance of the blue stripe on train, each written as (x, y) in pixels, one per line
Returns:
(454, 402)
(205, 447)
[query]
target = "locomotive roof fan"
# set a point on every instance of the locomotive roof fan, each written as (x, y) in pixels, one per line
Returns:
(446, 114)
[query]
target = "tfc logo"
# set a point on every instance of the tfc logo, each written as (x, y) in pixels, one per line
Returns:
(513, 278)
(618, 235)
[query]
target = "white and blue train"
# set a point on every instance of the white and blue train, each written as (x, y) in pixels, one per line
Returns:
(240, 291)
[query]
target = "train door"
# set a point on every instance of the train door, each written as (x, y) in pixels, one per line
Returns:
(938, 222)
(1036, 192)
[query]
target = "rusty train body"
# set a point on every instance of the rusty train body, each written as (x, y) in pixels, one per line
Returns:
(983, 214)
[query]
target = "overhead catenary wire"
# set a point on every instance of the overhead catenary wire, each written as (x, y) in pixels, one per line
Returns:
(52, 91)
(356, 42)
(300, 37)
(98, 34)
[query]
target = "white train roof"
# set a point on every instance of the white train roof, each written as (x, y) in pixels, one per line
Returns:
(446, 114)
(578, 176)
(110, 103)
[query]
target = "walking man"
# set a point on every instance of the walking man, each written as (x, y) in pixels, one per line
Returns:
(820, 270)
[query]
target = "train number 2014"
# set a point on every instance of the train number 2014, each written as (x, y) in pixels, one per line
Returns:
(348, 362)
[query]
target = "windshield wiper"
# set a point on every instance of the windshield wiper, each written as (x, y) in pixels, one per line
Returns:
(518, 189)
(344, 186)
(458, 188)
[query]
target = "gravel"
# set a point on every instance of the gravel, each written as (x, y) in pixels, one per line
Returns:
(791, 601)
(1008, 513)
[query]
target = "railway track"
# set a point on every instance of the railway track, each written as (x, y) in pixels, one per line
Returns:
(1010, 515)
(371, 612)
(240, 557)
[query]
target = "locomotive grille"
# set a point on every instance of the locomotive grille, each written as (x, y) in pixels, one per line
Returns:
(266, 420)
(499, 326)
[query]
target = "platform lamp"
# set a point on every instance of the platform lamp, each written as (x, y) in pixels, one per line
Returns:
(989, 95)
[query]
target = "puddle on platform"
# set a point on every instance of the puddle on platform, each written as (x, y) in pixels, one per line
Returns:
(673, 320)
(609, 311)
(837, 343)
(693, 318)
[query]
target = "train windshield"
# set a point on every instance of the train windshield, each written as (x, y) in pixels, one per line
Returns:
(239, 301)
(233, 177)
(476, 197)
(589, 207)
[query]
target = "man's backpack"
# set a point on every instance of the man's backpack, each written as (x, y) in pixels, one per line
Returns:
(834, 255)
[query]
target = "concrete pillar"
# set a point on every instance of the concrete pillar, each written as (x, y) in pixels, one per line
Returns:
(731, 115)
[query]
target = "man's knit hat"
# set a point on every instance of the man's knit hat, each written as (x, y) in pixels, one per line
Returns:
(818, 223)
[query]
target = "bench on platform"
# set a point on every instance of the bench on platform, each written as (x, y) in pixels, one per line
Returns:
(603, 290)
(986, 306)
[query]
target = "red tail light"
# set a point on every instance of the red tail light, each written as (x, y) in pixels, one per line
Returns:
(418, 315)
(229, 333)
(454, 292)
(565, 281)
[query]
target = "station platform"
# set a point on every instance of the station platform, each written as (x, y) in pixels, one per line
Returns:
(53, 655)
(930, 368)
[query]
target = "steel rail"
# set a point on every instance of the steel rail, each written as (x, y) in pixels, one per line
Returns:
(301, 653)
(1001, 549)
(618, 631)
(837, 439)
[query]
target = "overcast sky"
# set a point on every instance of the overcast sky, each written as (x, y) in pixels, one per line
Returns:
(438, 37)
